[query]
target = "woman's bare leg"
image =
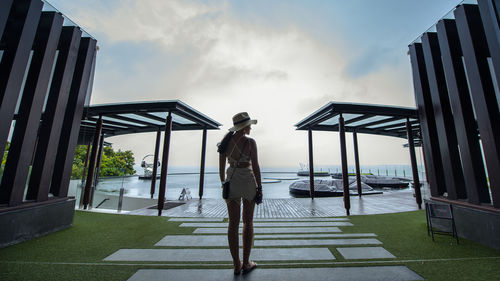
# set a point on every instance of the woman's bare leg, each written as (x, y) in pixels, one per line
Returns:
(248, 208)
(233, 210)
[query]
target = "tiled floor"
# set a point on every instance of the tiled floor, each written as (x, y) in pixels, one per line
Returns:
(389, 202)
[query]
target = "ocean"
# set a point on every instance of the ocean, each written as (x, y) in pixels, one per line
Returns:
(275, 181)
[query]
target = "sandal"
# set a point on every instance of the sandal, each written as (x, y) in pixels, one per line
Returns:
(238, 271)
(252, 266)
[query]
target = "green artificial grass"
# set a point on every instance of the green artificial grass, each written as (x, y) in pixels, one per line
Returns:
(77, 253)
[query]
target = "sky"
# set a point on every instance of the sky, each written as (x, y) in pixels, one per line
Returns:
(277, 60)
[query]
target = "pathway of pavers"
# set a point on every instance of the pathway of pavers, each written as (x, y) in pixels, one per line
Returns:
(268, 224)
(287, 240)
(221, 241)
(368, 273)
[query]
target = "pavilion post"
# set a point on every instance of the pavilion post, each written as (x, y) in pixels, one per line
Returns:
(311, 164)
(414, 168)
(99, 158)
(356, 160)
(86, 162)
(343, 155)
(155, 161)
(93, 156)
(202, 165)
(164, 163)
(97, 170)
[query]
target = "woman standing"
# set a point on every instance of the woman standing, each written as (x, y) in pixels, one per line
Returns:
(244, 175)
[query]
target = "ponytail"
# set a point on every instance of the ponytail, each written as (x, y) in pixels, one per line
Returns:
(222, 146)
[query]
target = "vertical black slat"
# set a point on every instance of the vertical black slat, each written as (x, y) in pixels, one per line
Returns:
(356, 160)
(17, 41)
(86, 162)
(447, 137)
(492, 30)
(99, 159)
(311, 163)
(155, 161)
(463, 113)
(97, 172)
(475, 52)
(413, 160)
(343, 158)
(72, 118)
(202, 164)
(5, 6)
(93, 155)
(164, 163)
(433, 164)
(30, 109)
(50, 128)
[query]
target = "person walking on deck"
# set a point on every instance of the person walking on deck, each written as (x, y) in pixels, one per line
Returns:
(245, 184)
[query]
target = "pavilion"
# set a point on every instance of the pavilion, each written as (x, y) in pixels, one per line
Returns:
(109, 120)
(400, 122)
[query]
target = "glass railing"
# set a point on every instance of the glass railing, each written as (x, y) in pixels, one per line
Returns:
(47, 7)
(449, 15)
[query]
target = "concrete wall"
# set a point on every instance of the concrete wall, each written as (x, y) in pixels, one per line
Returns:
(28, 223)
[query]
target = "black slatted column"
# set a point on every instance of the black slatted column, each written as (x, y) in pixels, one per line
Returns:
(476, 53)
(446, 135)
(21, 29)
(72, 117)
(463, 113)
(50, 128)
(434, 166)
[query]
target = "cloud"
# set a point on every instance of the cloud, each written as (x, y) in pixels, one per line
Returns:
(205, 56)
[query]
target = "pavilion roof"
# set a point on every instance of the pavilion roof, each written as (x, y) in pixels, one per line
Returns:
(364, 118)
(142, 117)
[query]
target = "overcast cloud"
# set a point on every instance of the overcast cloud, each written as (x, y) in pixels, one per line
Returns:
(277, 61)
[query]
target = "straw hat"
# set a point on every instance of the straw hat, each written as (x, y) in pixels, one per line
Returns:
(240, 121)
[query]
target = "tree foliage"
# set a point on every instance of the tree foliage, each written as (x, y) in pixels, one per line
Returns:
(113, 163)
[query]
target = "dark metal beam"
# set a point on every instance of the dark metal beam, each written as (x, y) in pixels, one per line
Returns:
(476, 53)
(87, 154)
(5, 6)
(202, 164)
(488, 10)
(90, 175)
(414, 167)
(311, 164)
(155, 161)
(356, 160)
(124, 118)
(21, 28)
(446, 135)
(345, 174)
(72, 117)
(423, 100)
(164, 163)
(30, 109)
(50, 129)
(463, 112)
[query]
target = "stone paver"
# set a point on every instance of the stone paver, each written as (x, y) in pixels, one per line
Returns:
(221, 241)
(320, 235)
(204, 255)
(316, 242)
(197, 219)
(194, 241)
(269, 224)
(300, 219)
(365, 253)
(218, 230)
(389, 273)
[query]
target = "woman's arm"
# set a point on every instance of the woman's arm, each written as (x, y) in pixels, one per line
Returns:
(255, 162)
(222, 166)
